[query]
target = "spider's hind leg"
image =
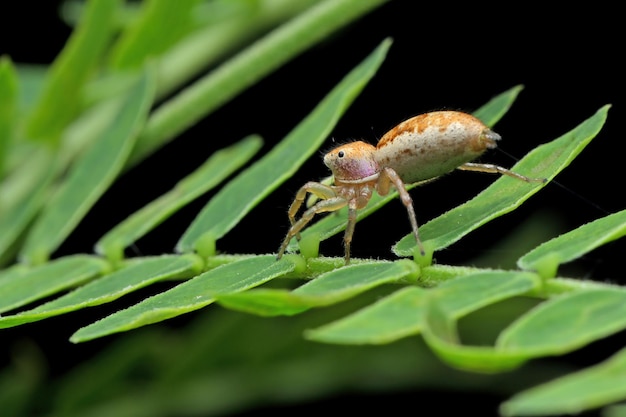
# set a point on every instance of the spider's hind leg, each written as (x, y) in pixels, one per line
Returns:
(496, 169)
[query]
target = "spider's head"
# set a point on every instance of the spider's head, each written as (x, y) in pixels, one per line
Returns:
(352, 162)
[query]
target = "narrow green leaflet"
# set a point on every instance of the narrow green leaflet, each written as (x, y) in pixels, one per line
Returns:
(574, 393)
(90, 176)
(458, 297)
(13, 272)
(394, 317)
(567, 322)
(440, 334)
(61, 98)
(506, 194)
(140, 273)
(412, 310)
(22, 197)
(161, 24)
(547, 256)
(240, 195)
(490, 113)
(189, 296)
(19, 287)
(8, 107)
(219, 166)
(249, 66)
(329, 288)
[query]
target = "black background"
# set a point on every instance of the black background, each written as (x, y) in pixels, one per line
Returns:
(444, 56)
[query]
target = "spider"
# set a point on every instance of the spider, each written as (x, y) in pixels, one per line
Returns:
(421, 148)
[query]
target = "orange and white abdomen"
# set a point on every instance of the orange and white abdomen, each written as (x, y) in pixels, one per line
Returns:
(433, 144)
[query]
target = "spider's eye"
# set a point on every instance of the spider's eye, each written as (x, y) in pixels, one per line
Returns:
(340, 154)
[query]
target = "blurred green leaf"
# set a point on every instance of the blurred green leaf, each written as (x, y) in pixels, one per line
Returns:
(160, 25)
(228, 26)
(32, 79)
(590, 388)
(60, 101)
(138, 274)
(191, 295)
(506, 194)
(8, 107)
(219, 166)
(20, 287)
(240, 195)
(244, 69)
(91, 175)
(23, 193)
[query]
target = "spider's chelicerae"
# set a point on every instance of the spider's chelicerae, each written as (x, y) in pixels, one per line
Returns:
(421, 148)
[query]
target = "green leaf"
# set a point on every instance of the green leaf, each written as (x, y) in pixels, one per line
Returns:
(8, 107)
(191, 295)
(90, 176)
(61, 98)
(236, 23)
(329, 288)
(32, 79)
(160, 25)
(459, 297)
(574, 244)
(219, 166)
(567, 322)
(244, 69)
(138, 274)
(490, 113)
(394, 317)
(439, 332)
(23, 194)
(402, 314)
(240, 195)
(506, 194)
(574, 393)
(19, 287)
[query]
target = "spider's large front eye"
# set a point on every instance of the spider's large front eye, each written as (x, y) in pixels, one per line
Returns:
(340, 154)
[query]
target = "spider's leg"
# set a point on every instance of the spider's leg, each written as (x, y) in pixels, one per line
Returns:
(496, 169)
(330, 204)
(388, 176)
(320, 190)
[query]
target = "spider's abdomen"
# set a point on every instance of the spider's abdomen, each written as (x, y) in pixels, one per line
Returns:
(433, 144)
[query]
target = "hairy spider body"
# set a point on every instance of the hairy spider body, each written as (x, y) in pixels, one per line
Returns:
(421, 148)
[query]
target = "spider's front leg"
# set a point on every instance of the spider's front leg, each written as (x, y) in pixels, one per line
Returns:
(320, 190)
(389, 176)
(330, 202)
